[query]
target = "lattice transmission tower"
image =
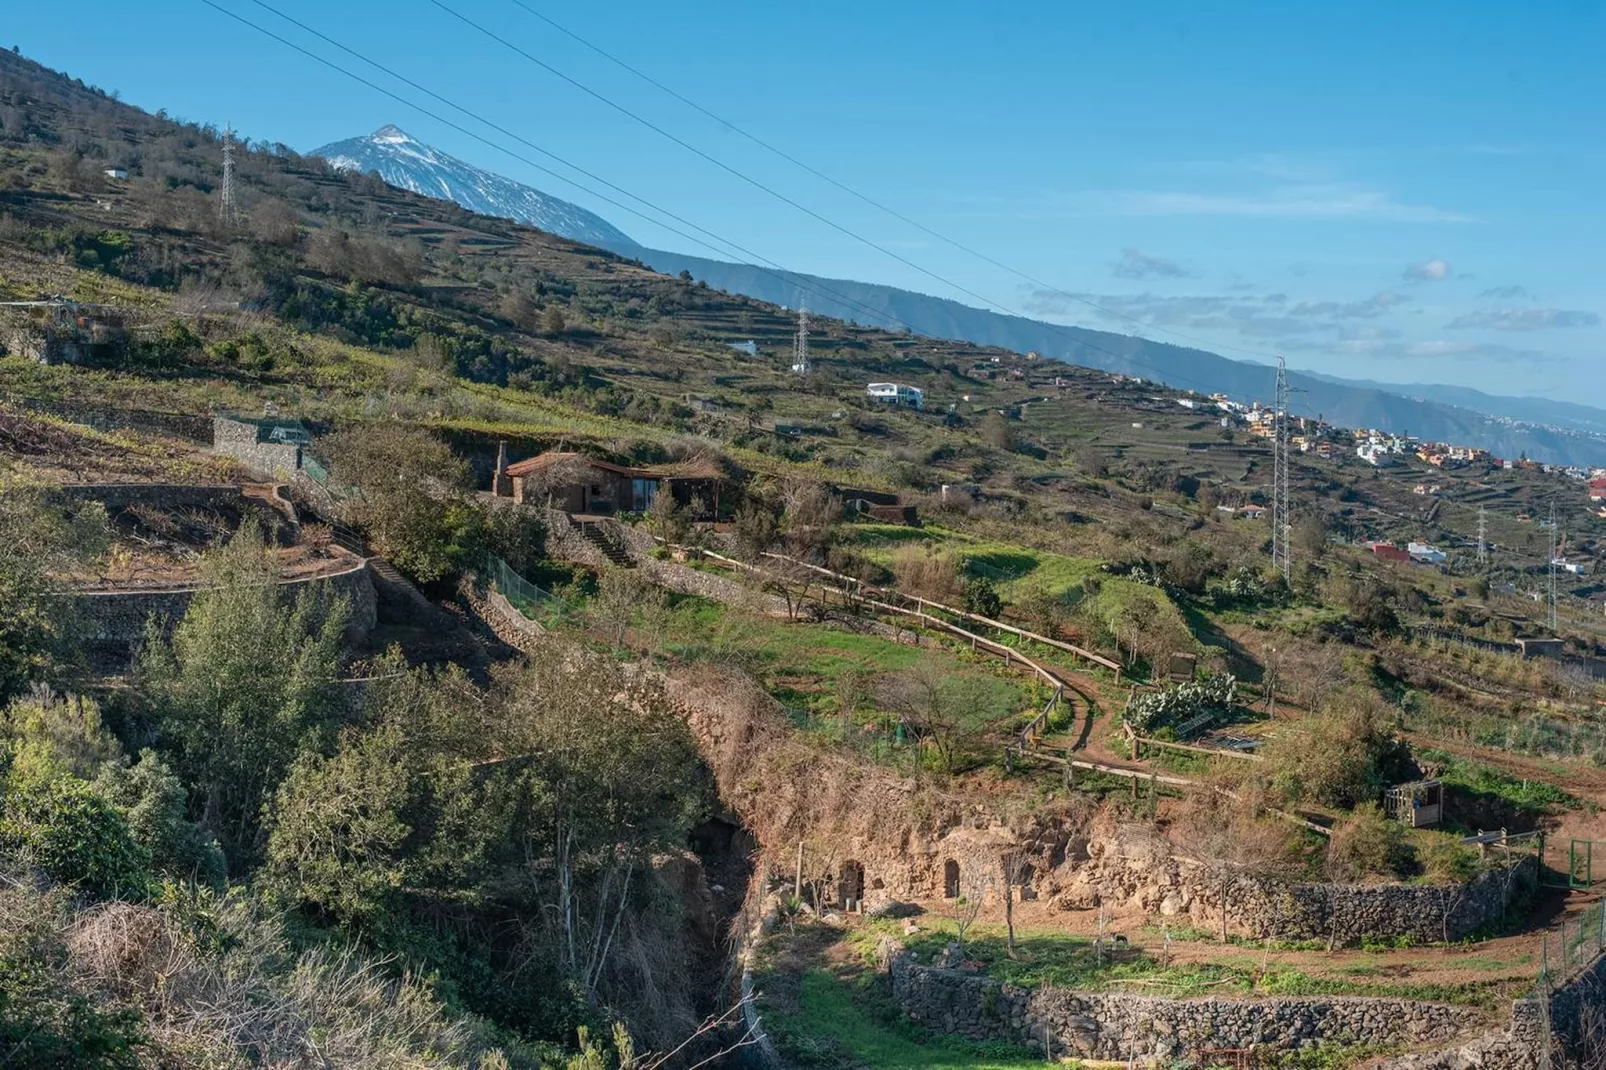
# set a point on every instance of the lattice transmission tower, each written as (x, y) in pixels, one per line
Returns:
(1281, 528)
(1483, 535)
(228, 210)
(800, 343)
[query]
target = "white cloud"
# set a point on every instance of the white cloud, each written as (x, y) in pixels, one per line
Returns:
(1439, 348)
(1524, 319)
(1434, 270)
(1304, 201)
(1139, 265)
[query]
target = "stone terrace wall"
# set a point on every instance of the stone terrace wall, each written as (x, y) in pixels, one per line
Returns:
(1139, 868)
(1529, 1038)
(209, 497)
(1117, 1025)
(1350, 913)
(117, 618)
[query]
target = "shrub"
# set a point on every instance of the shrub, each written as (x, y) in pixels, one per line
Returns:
(920, 571)
(982, 598)
(1148, 710)
(1340, 757)
(74, 833)
(1368, 844)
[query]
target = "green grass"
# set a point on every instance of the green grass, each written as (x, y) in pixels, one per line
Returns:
(1054, 957)
(1532, 796)
(801, 663)
(838, 1018)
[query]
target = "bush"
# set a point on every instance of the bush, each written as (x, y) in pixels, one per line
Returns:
(1148, 710)
(72, 832)
(1368, 844)
(1342, 757)
(982, 598)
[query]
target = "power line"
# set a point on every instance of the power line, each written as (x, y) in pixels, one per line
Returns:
(782, 276)
(780, 273)
(866, 198)
(987, 302)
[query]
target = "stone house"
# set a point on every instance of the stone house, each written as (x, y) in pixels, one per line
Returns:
(582, 485)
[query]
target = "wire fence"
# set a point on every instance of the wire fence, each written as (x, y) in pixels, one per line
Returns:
(1580, 940)
(314, 468)
(534, 602)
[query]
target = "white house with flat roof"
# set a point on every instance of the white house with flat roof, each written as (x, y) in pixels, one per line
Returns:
(897, 394)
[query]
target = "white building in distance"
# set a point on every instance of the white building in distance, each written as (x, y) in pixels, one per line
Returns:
(897, 394)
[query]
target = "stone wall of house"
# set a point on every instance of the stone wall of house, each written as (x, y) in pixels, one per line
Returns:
(1118, 1025)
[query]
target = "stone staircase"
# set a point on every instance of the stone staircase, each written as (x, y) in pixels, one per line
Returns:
(605, 536)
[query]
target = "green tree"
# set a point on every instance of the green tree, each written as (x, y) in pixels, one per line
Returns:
(606, 778)
(395, 806)
(154, 803)
(410, 496)
(40, 539)
(73, 833)
(982, 598)
(248, 679)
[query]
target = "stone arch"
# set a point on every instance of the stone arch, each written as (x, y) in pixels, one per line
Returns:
(950, 879)
(850, 885)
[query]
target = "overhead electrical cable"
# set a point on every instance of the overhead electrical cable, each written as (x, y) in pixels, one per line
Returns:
(780, 273)
(987, 302)
(866, 198)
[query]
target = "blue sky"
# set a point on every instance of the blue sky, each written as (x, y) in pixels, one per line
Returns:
(1402, 192)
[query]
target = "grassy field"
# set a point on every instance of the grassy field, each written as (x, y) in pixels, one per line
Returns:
(802, 664)
(835, 1020)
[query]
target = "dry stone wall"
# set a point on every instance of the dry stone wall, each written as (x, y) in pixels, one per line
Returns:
(1137, 868)
(1117, 1025)
(1542, 1032)
(117, 618)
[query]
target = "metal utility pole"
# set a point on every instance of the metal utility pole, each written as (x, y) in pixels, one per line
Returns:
(1280, 527)
(1483, 535)
(227, 210)
(800, 344)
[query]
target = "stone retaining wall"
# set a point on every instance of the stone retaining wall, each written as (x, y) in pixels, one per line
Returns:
(208, 497)
(1118, 1025)
(1145, 871)
(117, 618)
(1540, 1033)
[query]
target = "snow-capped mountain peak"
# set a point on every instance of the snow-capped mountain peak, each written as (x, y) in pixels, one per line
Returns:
(404, 161)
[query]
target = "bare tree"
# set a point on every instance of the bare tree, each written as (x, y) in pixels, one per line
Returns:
(1016, 870)
(965, 908)
(1229, 840)
(565, 470)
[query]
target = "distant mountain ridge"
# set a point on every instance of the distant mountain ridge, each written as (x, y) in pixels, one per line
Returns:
(1555, 432)
(412, 165)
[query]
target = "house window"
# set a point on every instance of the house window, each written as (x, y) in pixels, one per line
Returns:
(642, 492)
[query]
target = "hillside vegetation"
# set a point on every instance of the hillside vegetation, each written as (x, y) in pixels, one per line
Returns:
(487, 833)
